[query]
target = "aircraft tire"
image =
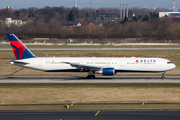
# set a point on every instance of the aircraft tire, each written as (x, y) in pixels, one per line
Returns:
(90, 77)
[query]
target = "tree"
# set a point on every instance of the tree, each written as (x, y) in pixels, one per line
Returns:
(145, 18)
(125, 19)
(87, 15)
(134, 18)
(140, 16)
(71, 16)
(75, 12)
(154, 15)
(16, 14)
(32, 15)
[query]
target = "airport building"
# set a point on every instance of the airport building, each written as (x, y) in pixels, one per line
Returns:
(169, 14)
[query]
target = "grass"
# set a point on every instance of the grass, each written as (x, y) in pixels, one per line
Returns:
(7, 55)
(95, 46)
(126, 107)
(88, 93)
(101, 46)
(91, 107)
(32, 107)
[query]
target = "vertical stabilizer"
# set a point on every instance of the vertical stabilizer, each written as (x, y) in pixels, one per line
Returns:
(19, 49)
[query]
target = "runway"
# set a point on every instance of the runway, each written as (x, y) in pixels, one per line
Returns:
(84, 80)
(164, 48)
(90, 115)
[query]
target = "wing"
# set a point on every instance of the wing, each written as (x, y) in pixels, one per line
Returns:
(83, 66)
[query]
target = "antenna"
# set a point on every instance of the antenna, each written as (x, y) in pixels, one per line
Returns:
(75, 3)
(174, 5)
(120, 11)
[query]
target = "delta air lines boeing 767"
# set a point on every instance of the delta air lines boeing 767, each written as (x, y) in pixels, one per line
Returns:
(100, 65)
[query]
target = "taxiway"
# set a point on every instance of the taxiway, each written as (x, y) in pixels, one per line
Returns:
(164, 48)
(90, 115)
(84, 80)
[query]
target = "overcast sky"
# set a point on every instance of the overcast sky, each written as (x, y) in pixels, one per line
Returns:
(17, 4)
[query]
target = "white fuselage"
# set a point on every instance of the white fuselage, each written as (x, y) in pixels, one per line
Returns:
(132, 64)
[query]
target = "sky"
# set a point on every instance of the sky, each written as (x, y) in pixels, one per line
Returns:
(18, 4)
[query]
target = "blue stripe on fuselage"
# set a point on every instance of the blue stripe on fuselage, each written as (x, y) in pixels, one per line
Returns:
(80, 70)
(65, 70)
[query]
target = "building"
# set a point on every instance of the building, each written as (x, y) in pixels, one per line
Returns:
(169, 14)
(9, 8)
(23, 14)
(9, 21)
(78, 23)
(100, 16)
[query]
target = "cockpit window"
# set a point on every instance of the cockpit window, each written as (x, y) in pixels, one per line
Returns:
(169, 62)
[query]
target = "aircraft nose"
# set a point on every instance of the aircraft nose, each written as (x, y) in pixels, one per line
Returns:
(171, 66)
(174, 66)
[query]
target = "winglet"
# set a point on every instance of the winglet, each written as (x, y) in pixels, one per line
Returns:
(19, 49)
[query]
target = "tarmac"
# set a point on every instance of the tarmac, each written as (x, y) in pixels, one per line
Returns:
(101, 79)
(90, 114)
(150, 48)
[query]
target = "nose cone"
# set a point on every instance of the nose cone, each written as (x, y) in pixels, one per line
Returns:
(173, 66)
(170, 65)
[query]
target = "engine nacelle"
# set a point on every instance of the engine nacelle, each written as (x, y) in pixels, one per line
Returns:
(108, 71)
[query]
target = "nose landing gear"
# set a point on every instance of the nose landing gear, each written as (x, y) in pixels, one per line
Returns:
(162, 77)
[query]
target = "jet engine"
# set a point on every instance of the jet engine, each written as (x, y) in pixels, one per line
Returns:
(106, 71)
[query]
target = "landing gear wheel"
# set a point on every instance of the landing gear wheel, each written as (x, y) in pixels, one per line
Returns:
(90, 77)
(162, 77)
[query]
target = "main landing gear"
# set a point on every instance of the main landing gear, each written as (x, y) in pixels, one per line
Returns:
(90, 75)
(162, 77)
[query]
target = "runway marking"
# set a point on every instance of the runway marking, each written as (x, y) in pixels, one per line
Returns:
(97, 113)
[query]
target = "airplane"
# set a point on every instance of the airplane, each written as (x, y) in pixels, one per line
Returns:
(107, 66)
